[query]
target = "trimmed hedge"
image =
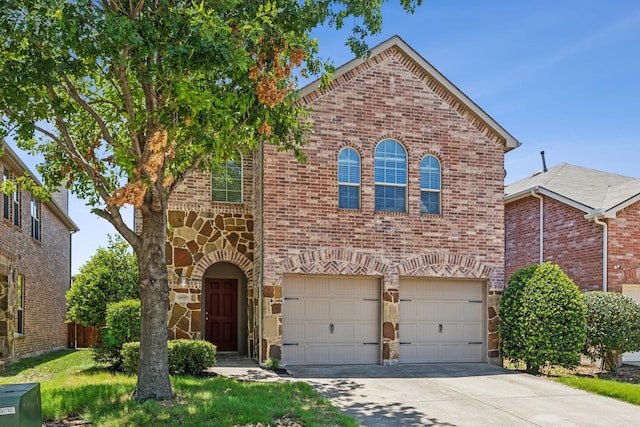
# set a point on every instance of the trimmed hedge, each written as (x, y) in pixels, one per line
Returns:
(543, 319)
(186, 357)
(613, 327)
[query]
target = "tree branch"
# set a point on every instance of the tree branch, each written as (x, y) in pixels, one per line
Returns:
(128, 103)
(115, 218)
(73, 92)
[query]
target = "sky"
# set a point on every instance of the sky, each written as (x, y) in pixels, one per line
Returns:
(562, 77)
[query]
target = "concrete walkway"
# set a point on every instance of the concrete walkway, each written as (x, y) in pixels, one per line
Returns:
(465, 394)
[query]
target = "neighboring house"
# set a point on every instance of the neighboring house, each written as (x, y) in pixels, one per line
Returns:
(386, 246)
(35, 267)
(586, 221)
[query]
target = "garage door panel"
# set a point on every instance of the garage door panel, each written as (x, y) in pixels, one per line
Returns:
(440, 321)
(339, 314)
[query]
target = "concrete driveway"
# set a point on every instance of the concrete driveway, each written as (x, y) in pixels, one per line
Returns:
(466, 394)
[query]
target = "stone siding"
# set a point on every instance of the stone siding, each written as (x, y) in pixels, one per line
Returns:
(201, 234)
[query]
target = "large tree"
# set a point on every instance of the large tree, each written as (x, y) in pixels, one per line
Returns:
(126, 98)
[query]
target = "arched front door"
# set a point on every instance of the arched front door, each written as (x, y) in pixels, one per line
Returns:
(221, 313)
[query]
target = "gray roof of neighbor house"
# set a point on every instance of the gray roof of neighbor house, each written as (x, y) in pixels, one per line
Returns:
(14, 162)
(586, 189)
(458, 98)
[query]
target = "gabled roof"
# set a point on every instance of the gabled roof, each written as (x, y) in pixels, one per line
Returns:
(586, 189)
(16, 164)
(433, 78)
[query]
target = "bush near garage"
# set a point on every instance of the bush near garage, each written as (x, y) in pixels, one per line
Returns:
(613, 327)
(543, 319)
(186, 357)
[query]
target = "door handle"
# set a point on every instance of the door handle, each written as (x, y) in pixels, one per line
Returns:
(331, 328)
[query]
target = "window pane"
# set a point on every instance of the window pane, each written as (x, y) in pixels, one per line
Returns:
(348, 197)
(348, 166)
(430, 173)
(226, 183)
(20, 304)
(390, 199)
(390, 163)
(430, 202)
(5, 197)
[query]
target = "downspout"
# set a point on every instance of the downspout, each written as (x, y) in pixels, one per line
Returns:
(605, 234)
(538, 196)
(261, 237)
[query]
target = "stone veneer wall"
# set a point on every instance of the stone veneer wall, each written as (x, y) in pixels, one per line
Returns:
(388, 96)
(193, 240)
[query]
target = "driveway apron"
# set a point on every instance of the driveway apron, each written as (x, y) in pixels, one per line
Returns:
(461, 394)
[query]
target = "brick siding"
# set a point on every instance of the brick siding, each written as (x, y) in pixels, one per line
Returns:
(46, 268)
(570, 241)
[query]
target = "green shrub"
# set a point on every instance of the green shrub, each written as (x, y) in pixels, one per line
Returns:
(123, 325)
(191, 357)
(544, 320)
(130, 357)
(613, 327)
(272, 363)
(510, 327)
(186, 357)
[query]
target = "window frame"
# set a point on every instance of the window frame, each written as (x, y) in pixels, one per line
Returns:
(225, 166)
(385, 171)
(16, 205)
(20, 300)
(6, 200)
(426, 188)
(36, 221)
(347, 183)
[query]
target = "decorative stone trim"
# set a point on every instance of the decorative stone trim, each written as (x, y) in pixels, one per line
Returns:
(340, 261)
(445, 264)
(233, 257)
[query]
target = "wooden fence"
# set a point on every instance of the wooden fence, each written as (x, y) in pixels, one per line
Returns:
(81, 336)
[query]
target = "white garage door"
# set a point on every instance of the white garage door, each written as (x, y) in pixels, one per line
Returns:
(632, 291)
(441, 321)
(330, 320)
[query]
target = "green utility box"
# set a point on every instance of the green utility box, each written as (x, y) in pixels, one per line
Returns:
(20, 405)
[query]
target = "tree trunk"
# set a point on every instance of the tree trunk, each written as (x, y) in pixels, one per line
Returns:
(153, 371)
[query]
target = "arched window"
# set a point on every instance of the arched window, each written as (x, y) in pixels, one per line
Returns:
(430, 185)
(226, 182)
(348, 179)
(390, 176)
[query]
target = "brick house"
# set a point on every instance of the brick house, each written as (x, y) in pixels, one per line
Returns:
(35, 267)
(584, 220)
(386, 246)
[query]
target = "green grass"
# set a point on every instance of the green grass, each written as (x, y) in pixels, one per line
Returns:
(72, 385)
(616, 389)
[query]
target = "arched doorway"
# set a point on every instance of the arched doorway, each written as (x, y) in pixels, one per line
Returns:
(225, 307)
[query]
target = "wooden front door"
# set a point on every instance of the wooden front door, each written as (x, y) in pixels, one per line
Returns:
(221, 313)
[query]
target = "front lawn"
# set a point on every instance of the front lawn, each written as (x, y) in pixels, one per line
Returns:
(618, 390)
(72, 385)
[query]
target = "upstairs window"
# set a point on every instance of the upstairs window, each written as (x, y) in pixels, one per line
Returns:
(35, 218)
(430, 185)
(6, 204)
(390, 177)
(16, 207)
(348, 179)
(226, 183)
